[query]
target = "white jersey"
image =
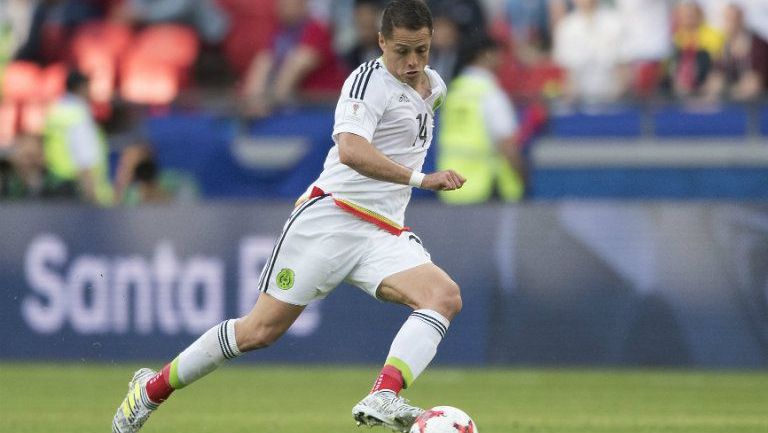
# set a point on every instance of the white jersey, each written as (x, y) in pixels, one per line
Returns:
(393, 117)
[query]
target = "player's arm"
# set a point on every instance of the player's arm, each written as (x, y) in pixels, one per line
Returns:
(360, 155)
(297, 65)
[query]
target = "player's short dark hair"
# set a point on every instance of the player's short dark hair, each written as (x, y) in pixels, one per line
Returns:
(407, 14)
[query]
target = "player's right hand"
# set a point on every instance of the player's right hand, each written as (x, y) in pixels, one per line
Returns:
(444, 180)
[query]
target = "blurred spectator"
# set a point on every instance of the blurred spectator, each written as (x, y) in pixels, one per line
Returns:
(252, 23)
(139, 180)
(735, 76)
(454, 21)
(587, 43)
(75, 153)
(647, 42)
(366, 18)
(756, 13)
(479, 130)
(468, 15)
(697, 46)
(298, 64)
(205, 16)
(529, 22)
(713, 12)
(444, 50)
(22, 171)
(15, 22)
(51, 26)
(557, 10)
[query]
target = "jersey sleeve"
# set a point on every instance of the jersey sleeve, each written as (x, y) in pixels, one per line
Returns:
(362, 103)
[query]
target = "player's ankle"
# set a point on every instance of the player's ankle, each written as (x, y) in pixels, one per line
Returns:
(390, 378)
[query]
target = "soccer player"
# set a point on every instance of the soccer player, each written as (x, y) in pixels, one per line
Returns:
(348, 226)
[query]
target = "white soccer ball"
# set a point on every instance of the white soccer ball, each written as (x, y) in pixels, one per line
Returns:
(444, 419)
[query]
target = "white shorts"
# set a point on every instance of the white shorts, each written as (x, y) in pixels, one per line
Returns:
(322, 245)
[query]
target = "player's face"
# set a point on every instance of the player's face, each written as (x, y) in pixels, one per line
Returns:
(406, 53)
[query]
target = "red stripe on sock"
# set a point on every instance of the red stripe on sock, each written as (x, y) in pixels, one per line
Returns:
(390, 378)
(159, 386)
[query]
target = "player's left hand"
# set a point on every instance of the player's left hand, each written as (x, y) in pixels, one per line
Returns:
(444, 180)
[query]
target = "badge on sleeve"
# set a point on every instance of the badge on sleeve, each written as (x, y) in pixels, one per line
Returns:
(354, 112)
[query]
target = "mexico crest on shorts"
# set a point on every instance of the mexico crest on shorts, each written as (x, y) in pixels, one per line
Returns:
(285, 279)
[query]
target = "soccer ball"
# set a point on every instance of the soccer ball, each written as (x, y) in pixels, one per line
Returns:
(444, 419)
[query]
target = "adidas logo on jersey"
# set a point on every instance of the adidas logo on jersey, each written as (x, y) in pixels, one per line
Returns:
(404, 98)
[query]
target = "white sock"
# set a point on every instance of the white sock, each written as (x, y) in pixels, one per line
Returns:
(416, 343)
(205, 354)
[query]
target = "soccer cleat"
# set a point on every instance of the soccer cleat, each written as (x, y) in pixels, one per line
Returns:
(386, 408)
(136, 407)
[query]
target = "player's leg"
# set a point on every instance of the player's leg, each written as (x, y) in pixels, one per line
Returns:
(268, 321)
(403, 273)
(436, 300)
(295, 275)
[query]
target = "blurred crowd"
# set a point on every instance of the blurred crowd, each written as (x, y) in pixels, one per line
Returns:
(92, 65)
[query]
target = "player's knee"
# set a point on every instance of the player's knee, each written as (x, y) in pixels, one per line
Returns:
(450, 300)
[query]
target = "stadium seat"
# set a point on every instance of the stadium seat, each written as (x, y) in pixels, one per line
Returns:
(172, 44)
(146, 81)
(108, 36)
(33, 117)
(53, 81)
(99, 64)
(9, 115)
(21, 81)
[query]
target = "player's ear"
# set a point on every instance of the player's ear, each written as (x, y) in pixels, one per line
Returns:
(382, 42)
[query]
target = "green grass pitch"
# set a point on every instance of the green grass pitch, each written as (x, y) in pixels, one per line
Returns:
(249, 398)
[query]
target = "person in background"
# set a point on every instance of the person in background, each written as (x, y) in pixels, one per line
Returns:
(75, 153)
(587, 44)
(647, 43)
(735, 76)
(205, 16)
(445, 45)
(366, 18)
(51, 25)
(756, 15)
(697, 46)
(479, 130)
(22, 171)
(299, 64)
(468, 15)
(529, 25)
(139, 179)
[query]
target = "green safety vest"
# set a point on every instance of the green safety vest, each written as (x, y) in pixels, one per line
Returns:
(466, 146)
(58, 157)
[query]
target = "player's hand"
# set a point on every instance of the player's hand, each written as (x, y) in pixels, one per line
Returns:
(444, 180)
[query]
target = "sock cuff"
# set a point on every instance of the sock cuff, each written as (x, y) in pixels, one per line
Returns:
(227, 341)
(403, 368)
(432, 318)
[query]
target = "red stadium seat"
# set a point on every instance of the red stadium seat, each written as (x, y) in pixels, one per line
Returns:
(9, 115)
(147, 81)
(100, 65)
(33, 117)
(173, 44)
(109, 36)
(21, 81)
(53, 81)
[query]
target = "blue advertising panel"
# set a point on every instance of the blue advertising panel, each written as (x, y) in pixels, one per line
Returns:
(83, 283)
(567, 283)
